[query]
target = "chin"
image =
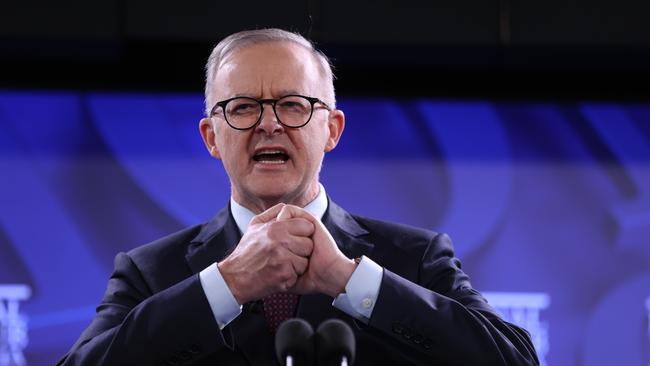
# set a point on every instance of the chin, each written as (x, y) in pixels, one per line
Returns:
(275, 188)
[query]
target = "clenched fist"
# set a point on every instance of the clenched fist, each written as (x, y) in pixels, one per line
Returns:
(329, 270)
(270, 257)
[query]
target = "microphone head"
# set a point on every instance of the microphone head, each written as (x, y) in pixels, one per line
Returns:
(295, 338)
(334, 340)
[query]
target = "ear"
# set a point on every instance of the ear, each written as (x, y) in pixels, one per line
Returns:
(336, 124)
(209, 134)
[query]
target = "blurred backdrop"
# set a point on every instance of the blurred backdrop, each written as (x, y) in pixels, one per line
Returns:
(520, 129)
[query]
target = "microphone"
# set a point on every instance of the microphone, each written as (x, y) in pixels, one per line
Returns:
(294, 343)
(335, 344)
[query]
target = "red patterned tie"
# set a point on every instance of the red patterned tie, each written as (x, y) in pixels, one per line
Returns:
(279, 307)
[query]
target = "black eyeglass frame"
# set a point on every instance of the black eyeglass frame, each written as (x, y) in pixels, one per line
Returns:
(312, 101)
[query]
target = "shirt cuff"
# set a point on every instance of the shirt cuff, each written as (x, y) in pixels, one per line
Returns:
(361, 291)
(223, 304)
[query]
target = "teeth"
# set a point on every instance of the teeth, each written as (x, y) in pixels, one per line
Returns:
(270, 152)
(260, 153)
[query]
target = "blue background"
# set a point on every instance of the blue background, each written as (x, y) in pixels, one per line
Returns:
(538, 196)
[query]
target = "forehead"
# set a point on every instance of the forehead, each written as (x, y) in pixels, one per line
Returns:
(267, 69)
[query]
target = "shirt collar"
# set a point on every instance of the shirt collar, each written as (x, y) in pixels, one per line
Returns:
(243, 216)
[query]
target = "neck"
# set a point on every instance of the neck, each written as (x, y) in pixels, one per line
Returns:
(258, 205)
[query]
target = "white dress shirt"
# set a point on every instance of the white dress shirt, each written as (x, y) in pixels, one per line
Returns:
(359, 297)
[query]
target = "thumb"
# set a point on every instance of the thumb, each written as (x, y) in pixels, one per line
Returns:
(285, 213)
(268, 215)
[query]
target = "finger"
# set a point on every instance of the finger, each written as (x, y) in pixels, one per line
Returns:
(299, 227)
(300, 246)
(320, 229)
(268, 215)
(287, 276)
(299, 264)
(289, 283)
(295, 211)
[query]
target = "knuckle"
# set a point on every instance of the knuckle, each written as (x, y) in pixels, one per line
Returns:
(292, 281)
(275, 263)
(272, 230)
(277, 253)
(283, 243)
(278, 260)
(287, 275)
(277, 231)
(302, 268)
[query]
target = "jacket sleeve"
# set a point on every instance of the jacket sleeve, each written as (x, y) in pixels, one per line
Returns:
(133, 326)
(442, 320)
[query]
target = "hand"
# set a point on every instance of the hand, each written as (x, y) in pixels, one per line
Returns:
(269, 257)
(329, 269)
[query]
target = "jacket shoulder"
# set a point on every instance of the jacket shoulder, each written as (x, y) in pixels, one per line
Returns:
(177, 241)
(160, 263)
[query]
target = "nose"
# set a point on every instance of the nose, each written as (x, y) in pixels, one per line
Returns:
(269, 123)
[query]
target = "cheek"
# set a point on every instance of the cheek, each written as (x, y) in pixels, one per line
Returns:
(231, 148)
(314, 149)
(309, 144)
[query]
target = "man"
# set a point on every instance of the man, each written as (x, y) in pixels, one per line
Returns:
(213, 294)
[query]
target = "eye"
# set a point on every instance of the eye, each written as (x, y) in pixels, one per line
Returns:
(293, 105)
(242, 107)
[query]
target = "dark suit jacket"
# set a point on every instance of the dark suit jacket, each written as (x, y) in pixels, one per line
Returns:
(154, 311)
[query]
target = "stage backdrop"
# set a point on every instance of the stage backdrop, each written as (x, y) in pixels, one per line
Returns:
(548, 205)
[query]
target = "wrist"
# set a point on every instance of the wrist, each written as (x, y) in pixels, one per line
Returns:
(230, 280)
(341, 276)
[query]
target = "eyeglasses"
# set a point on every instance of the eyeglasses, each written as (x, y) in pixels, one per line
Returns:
(242, 113)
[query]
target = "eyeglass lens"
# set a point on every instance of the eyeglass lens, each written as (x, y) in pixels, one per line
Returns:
(293, 111)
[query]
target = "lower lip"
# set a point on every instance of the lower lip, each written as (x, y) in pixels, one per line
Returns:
(273, 166)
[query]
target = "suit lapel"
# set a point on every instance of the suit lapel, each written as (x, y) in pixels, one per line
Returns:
(214, 242)
(346, 231)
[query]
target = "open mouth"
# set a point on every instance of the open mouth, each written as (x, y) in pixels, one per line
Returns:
(271, 156)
